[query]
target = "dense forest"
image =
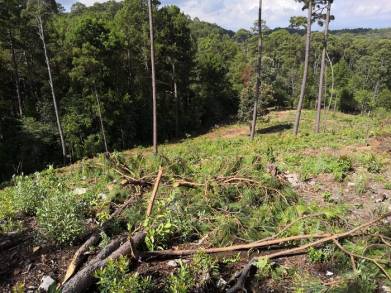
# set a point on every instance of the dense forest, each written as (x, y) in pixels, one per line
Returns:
(99, 74)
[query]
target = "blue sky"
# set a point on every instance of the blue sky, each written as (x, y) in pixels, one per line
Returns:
(234, 14)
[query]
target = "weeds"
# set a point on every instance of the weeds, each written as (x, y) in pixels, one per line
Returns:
(115, 278)
(59, 219)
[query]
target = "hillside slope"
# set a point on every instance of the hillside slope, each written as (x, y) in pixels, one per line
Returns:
(216, 190)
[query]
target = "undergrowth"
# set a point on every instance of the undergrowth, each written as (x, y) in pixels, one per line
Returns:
(213, 212)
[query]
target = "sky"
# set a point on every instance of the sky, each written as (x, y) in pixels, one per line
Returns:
(234, 14)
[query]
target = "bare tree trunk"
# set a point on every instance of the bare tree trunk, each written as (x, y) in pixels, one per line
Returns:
(322, 68)
(17, 81)
(154, 110)
(259, 69)
(42, 36)
(101, 121)
(305, 74)
(332, 81)
(176, 101)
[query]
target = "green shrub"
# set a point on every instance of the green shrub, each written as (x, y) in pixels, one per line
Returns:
(182, 281)
(341, 168)
(114, 277)
(30, 191)
(59, 218)
(320, 255)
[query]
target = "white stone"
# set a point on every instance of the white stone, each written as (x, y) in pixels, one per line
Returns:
(80, 191)
(329, 274)
(172, 263)
(46, 284)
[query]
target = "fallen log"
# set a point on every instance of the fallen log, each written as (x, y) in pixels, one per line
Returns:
(79, 256)
(84, 279)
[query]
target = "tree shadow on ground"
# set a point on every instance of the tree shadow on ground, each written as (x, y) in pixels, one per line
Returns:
(275, 128)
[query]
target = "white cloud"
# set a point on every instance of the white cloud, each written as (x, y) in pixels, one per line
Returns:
(235, 14)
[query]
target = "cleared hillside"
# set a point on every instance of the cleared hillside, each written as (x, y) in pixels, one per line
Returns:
(216, 190)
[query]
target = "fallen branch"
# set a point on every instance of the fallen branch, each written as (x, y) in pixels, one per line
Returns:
(185, 183)
(317, 243)
(253, 245)
(154, 192)
(354, 266)
(84, 279)
(353, 255)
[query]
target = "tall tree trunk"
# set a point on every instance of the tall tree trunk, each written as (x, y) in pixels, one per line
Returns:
(101, 121)
(16, 73)
(259, 68)
(42, 36)
(322, 68)
(305, 74)
(332, 81)
(177, 105)
(154, 106)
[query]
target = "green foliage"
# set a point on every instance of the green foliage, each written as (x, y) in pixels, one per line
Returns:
(114, 277)
(59, 218)
(202, 270)
(320, 255)
(182, 281)
(30, 191)
(312, 166)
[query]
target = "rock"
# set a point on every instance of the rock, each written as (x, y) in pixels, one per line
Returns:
(80, 191)
(221, 283)
(172, 263)
(351, 184)
(329, 274)
(47, 284)
(381, 198)
(102, 196)
(336, 199)
(293, 179)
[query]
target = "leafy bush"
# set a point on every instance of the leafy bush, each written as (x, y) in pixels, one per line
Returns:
(198, 275)
(59, 218)
(320, 255)
(114, 278)
(182, 281)
(30, 191)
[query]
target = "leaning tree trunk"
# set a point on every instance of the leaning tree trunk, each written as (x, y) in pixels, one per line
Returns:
(101, 121)
(305, 74)
(16, 73)
(153, 72)
(322, 68)
(259, 68)
(42, 36)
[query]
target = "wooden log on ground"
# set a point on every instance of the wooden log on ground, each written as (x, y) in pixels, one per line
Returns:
(84, 279)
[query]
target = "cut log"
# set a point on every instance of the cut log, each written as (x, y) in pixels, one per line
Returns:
(84, 279)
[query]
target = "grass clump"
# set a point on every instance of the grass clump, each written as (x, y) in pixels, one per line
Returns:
(114, 277)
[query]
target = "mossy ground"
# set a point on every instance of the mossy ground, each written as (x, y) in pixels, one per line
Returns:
(342, 174)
